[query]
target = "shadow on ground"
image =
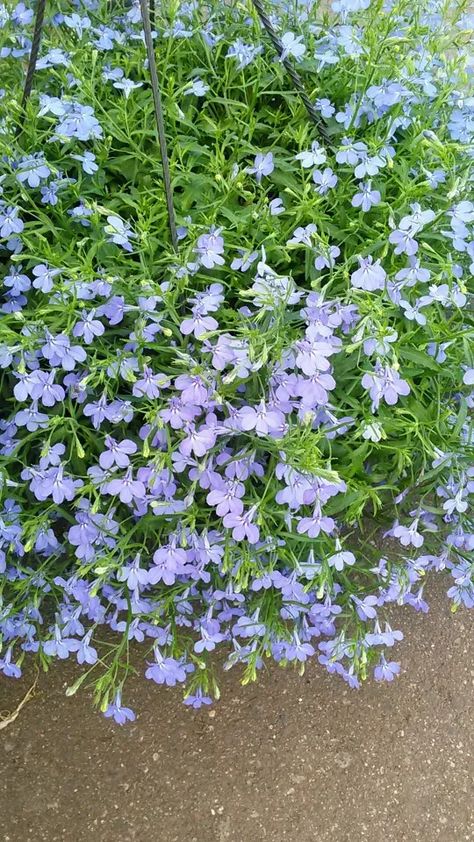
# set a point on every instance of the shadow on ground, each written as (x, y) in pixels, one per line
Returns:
(297, 759)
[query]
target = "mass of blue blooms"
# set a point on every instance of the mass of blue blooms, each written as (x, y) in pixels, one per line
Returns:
(258, 441)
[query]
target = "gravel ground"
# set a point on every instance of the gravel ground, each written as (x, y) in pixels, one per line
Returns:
(291, 759)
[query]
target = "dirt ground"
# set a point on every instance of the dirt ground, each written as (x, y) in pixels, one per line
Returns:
(288, 760)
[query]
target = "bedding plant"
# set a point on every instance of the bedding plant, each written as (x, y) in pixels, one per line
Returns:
(198, 447)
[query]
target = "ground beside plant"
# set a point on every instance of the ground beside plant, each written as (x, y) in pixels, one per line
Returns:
(288, 760)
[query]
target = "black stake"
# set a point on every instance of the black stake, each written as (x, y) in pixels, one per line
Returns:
(35, 45)
(159, 120)
(294, 76)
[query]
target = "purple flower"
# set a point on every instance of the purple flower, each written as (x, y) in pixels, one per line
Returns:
(386, 670)
(225, 496)
(242, 526)
(199, 324)
(324, 180)
(408, 535)
(316, 524)
(313, 157)
(9, 669)
(169, 562)
(366, 607)
(292, 46)
(32, 169)
(366, 198)
(10, 223)
(31, 418)
(210, 248)
(86, 654)
(44, 388)
(167, 671)
(198, 441)
(197, 699)
(210, 635)
(276, 207)
(59, 646)
(404, 242)
(266, 421)
(341, 559)
(119, 232)
(89, 327)
(384, 382)
(119, 713)
(370, 276)
(133, 574)
(53, 483)
(44, 276)
(468, 377)
(127, 488)
(117, 453)
(87, 159)
(262, 165)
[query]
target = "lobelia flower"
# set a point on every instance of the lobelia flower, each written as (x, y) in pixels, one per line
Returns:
(324, 180)
(118, 712)
(367, 197)
(341, 559)
(468, 377)
(209, 249)
(9, 669)
(44, 277)
(312, 157)
(60, 647)
(242, 525)
(167, 671)
(244, 53)
(117, 453)
(149, 384)
(292, 46)
(404, 242)
(32, 169)
(196, 88)
(10, 223)
(88, 327)
(265, 420)
(168, 563)
(386, 670)
(302, 235)
(87, 159)
(210, 635)
(119, 232)
(370, 276)
(408, 535)
(127, 488)
(196, 699)
(86, 654)
(384, 383)
(276, 207)
(127, 86)
(225, 496)
(316, 524)
(263, 165)
(327, 259)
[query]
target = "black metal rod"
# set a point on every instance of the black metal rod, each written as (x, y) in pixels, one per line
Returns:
(294, 76)
(160, 124)
(35, 45)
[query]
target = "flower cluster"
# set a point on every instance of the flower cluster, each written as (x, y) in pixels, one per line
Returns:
(188, 438)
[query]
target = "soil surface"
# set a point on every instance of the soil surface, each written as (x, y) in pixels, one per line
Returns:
(291, 759)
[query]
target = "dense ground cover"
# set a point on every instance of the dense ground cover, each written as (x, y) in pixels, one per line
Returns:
(192, 440)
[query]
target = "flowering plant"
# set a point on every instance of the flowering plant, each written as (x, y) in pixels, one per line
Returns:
(197, 446)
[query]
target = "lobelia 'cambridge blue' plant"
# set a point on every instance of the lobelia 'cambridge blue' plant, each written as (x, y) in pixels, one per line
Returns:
(190, 441)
